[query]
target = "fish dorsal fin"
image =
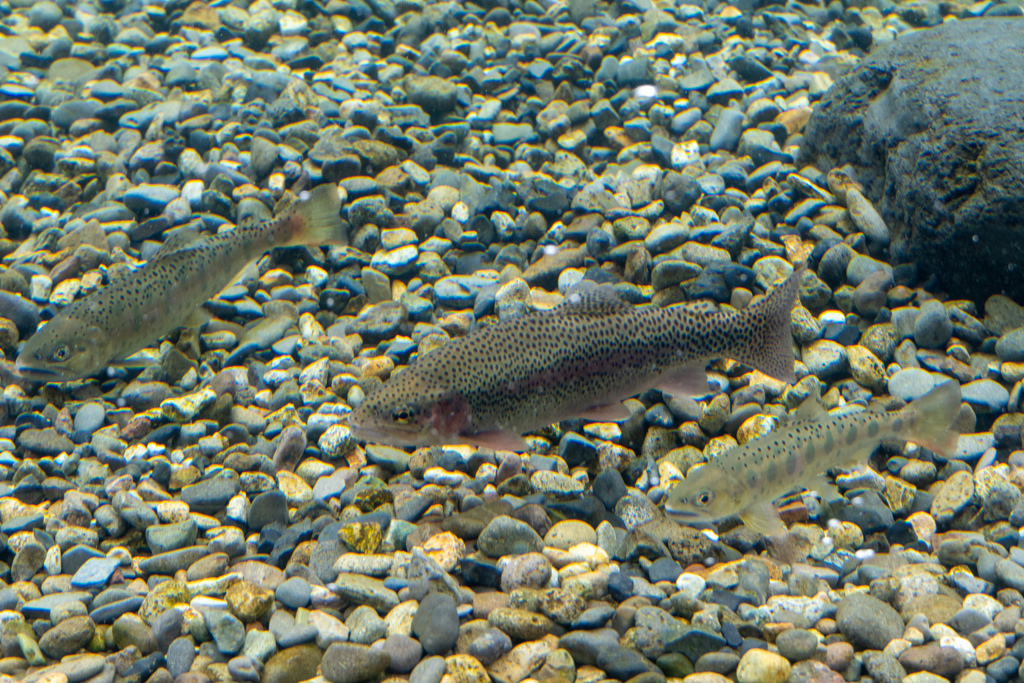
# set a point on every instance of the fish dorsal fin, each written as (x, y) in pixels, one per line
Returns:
(592, 300)
(179, 239)
(810, 410)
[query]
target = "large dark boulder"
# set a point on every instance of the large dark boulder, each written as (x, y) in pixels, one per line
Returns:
(934, 125)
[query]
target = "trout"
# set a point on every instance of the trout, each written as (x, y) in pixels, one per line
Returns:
(131, 312)
(581, 358)
(745, 480)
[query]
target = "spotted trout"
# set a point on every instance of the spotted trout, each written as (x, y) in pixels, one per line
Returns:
(136, 309)
(579, 359)
(745, 480)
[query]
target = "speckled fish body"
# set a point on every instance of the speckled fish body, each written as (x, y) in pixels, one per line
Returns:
(745, 480)
(134, 310)
(581, 358)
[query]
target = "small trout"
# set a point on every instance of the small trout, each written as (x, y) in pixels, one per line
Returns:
(745, 480)
(581, 358)
(134, 310)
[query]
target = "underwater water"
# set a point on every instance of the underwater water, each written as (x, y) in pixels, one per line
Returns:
(525, 340)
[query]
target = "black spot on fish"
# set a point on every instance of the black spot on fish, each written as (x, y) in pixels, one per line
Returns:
(791, 463)
(873, 428)
(829, 443)
(851, 436)
(772, 471)
(752, 480)
(809, 452)
(897, 425)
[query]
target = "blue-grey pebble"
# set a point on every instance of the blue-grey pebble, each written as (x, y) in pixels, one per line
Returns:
(108, 613)
(727, 131)
(163, 538)
(985, 396)
(490, 645)
(1010, 346)
(405, 652)
(44, 15)
(294, 592)
(243, 668)
(911, 383)
(210, 495)
(429, 670)
(504, 535)
(89, 418)
(180, 655)
(594, 617)
(436, 623)
(297, 635)
(227, 631)
(933, 328)
(95, 573)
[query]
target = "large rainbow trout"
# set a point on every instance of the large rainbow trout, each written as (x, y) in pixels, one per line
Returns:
(581, 358)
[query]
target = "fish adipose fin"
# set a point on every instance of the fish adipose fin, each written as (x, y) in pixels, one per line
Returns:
(689, 380)
(810, 410)
(610, 412)
(314, 219)
(935, 412)
(769, 345)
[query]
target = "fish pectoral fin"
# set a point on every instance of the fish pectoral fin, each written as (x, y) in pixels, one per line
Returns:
(608, 412)
(689, 380)
(764, 520)
(498, 439)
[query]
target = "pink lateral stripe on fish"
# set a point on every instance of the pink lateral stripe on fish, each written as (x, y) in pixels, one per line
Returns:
(580, 359)
(745, 480)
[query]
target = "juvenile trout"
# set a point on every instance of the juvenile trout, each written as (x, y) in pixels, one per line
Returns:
(745, 480)
(581, 358)
(134, 310)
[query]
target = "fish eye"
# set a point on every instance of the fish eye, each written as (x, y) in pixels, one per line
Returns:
(404, 415)
(61, 353)
(705, 498)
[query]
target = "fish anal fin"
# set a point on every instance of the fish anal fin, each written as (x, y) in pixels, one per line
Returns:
(608, 412)
(764, 520)
(689, 380)
(498, 439)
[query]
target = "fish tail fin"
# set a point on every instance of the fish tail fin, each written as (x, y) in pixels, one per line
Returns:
(769, 345)
(934, 413)
(314, 219)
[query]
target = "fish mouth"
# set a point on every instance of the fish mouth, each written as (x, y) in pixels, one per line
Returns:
(388, 435)
(683, 516)
(38, 374)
